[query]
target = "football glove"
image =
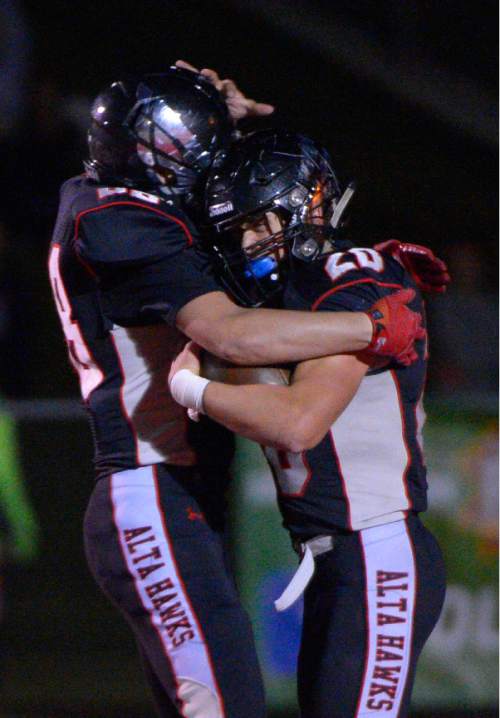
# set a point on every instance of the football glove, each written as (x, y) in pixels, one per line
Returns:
(429, 273)
(395, 328)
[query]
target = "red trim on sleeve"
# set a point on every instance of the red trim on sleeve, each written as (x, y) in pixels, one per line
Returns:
(350, 284)
(135, 204)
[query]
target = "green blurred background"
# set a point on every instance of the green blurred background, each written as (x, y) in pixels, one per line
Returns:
(66, 651)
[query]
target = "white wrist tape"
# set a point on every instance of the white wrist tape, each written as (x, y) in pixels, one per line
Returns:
(187, 389)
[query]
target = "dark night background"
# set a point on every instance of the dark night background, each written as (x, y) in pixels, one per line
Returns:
(403, 93)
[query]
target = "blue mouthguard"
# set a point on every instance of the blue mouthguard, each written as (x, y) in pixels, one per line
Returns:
(261, 267)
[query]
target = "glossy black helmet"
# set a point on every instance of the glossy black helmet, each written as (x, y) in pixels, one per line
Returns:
(271, 171)
(157, 130)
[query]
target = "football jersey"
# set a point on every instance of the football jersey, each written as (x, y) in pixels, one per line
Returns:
(122, 263)
(369, 468)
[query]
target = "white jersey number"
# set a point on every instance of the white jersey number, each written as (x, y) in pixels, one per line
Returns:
(291, 470)
(103, 192)
(359, 258)
(88, 372)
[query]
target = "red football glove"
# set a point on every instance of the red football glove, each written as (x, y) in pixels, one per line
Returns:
(395, 328)
(428, 271)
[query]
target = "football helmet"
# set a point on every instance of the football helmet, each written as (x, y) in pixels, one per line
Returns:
(158, 130)
(271, 171)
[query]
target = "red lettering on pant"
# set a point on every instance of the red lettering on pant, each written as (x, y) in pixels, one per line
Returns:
(158, 587)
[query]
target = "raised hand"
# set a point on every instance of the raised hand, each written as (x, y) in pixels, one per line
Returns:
(428, 271)
(238, 104)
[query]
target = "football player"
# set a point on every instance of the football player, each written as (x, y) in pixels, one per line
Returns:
(344, 439)
(129, 283)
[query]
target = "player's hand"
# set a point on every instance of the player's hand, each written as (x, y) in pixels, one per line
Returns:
(395, 328)
(428, 271)
(238, 105)
(189, 358)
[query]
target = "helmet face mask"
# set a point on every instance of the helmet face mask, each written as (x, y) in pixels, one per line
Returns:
(160, 130)
(269, 173)
(251, 281)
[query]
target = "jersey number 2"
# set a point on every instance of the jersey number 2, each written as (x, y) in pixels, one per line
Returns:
(88, 372)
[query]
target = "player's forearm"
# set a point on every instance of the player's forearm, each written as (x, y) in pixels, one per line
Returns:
(294, 417)
(266, 336)
(266, 414)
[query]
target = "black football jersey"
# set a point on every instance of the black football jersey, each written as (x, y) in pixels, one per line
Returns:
(369, 468)
(122, 263)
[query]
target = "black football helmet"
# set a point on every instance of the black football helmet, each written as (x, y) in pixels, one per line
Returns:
(158, 130)
(271, 171)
